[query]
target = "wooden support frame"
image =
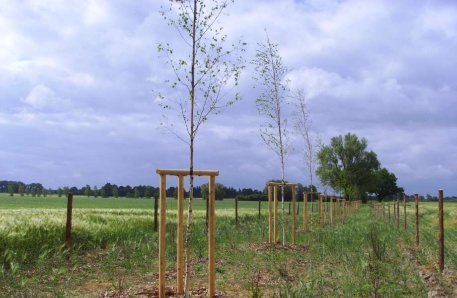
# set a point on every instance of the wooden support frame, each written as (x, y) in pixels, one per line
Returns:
(273, 225)
(180, 226)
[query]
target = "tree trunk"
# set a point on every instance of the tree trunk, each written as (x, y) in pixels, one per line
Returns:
(191, 166)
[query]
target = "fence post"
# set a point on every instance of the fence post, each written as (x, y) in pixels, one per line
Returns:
(416, 199)
(441, 229)
(69, 218)
(212, 236)
(305, 211)
(236, 210)
(331, 210)
(398, 211)
(179, 236)
(320, 210)
(404, 208)
(294, 214)
(260, 207)
(275, 198)
(388, 208)
(156, 207)
(162, 231)
(270, 214)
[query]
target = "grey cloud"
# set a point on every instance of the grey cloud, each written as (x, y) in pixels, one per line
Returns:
(77, 105)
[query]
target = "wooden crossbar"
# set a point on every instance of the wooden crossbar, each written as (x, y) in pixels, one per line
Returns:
(177, 172)
(280, 184)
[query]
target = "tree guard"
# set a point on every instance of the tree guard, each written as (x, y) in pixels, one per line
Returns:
(273, 225)
(211, 223)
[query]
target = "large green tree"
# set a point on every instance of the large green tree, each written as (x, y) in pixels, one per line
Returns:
(385, 185)
(347, 166)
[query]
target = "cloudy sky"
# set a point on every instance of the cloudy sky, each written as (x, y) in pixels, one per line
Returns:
(77, 77)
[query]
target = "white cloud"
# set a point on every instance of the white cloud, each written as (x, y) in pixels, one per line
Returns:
(43, 98)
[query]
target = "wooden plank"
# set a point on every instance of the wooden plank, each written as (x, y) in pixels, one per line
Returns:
(178, 172)
(280, 184)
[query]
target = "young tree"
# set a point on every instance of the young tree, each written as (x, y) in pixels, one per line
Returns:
(66, 190)
(302, 125)
(205, 70)
(11, 189)
(136, 192)
(270, 78)
(148, 192)
(347, 166)
(220, 191)
(115, 191)
(21, 190)
(87, 190)
(59, 192)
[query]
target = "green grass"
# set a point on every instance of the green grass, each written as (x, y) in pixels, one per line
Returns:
(115, 248)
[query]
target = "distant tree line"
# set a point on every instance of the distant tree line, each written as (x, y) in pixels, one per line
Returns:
(146, 191)
(18, 187)
(113, 190)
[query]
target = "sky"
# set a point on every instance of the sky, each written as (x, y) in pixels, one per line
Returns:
(78, 100)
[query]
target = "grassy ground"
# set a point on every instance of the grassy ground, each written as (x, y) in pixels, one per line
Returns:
(115, 251)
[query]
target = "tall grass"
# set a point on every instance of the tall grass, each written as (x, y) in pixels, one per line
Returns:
(116, 248)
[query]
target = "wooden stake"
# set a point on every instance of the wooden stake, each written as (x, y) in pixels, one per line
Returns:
(69, 219)
(211, 236)
(337, 207)
(162, 231)
(416, 199)
(180, 234)
(320, 208)
(305, 212)
(388, 209)
(236, 210)
(404, 209)
(275, 222)
(398, 211)
(270, 214)
(294, 226)
(331, 210)
(156, 208)
(260, 207)
(441, 230)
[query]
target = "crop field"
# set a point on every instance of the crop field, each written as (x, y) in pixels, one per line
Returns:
(115, 251)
